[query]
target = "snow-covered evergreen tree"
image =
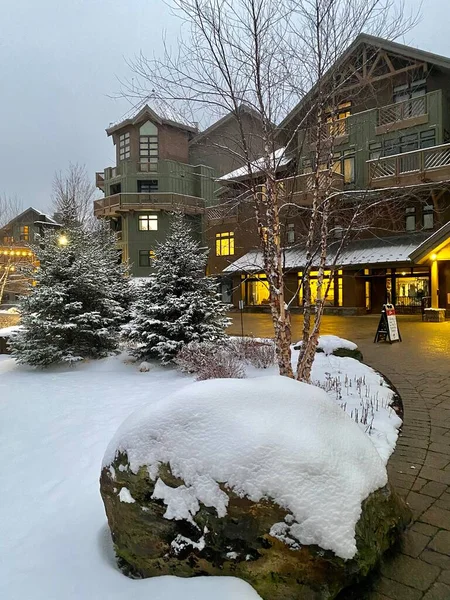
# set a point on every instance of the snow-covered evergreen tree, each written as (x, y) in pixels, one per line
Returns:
(179, 304)
(78, 302)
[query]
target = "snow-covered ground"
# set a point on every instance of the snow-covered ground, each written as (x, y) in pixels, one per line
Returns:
(54, 428)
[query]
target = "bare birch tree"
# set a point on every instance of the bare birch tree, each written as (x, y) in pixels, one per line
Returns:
(267, 54)
(73, 196)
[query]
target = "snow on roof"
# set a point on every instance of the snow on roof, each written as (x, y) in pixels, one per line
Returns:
(279, 157)
(162, 114)
(359, 252)
(273, 437)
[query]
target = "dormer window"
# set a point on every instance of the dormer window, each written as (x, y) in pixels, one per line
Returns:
(124, 146)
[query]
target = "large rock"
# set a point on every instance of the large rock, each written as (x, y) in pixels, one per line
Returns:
(266, 479)
(240, 543)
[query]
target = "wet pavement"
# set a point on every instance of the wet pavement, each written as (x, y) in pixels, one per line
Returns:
(419, 469)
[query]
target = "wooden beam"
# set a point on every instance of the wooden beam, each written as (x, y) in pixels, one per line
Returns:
(389, 63)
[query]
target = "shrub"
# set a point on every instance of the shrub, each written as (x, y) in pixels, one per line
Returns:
(258, 353)
(210, 361)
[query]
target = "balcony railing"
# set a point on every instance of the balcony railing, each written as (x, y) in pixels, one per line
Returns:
(300, 187)
(222, 212)
(401, 111)
(418, 166)
(159, 200)
(336, 130)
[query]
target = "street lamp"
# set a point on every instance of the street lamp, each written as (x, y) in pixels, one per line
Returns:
(62, 240)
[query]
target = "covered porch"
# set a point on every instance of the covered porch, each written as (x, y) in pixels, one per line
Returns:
(434, 252)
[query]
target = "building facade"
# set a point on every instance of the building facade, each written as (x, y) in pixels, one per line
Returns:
(16, 253)
(391, 131)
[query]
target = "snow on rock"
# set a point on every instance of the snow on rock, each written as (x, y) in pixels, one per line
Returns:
(329, 343)
(267, 437)
(125, 496)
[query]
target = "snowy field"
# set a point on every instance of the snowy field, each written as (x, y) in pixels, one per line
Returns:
(55, 426)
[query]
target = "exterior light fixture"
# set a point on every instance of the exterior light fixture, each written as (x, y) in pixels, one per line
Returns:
(433, 256)
(62, 240)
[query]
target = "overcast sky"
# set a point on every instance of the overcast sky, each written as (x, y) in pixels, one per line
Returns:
(59, 65)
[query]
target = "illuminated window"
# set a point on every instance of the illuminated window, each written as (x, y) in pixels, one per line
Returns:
(225, 243)
(124, 146)
(146, 257)
(8, 239)
(148, 222)
(328, 287)
(257, 290)
(337, 124)
(367, 291)
(24, 233)
(344, 164)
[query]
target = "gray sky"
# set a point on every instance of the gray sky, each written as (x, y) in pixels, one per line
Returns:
(59, 63)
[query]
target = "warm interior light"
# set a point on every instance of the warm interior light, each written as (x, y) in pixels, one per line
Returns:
(433, 256)
(403, 273)
(62, 240)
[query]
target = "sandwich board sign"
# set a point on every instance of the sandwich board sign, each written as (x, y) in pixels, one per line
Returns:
(388, 327)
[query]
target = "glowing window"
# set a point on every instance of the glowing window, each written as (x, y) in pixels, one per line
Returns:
(148, 222)
(225, 243)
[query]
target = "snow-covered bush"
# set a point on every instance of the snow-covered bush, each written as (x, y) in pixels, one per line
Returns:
(79, 299)
(210, 361)
(180, 304)
(256, 352)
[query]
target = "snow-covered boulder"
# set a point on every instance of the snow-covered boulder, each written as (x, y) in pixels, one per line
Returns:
(333, 344)
(266, 479)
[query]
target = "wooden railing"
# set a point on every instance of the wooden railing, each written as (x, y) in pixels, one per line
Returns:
(222, 212)
(304, 184)
(415, 107)
(431, 164)
(160, 200)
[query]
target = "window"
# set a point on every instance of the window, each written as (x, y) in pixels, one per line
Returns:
(24, 233)
(146, 257)
(407, 91)
(8, 239)
(124, 146)
(147, 187)
(148, 222)
(257, 290)
(344, 164)
(290, 233)
(148, 151)
(225, 243)
(428, 138)
(332, 299)
(337, 124)
(375, 150)
(428, 217)
(410, 219)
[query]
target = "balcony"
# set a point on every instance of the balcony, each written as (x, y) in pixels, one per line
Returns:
(119, 203)
(402, 115)
(299, 189)
(411, 168)
(100, 180)
(223, 213)
(337, 132)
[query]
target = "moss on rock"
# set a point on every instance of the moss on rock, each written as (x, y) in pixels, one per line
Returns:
(238, 544)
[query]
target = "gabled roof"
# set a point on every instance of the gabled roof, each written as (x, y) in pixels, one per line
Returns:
(244, 108)
(280, 159)
(169, 118)
(432, 243)
(41, 217)
(371, 40)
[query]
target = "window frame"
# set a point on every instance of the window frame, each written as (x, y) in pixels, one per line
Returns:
(225, 243)
(146, 257)
(124, 146)
(148, 218)
(410, 216)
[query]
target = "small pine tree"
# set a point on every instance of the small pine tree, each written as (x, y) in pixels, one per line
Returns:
(179, 304)
(79, 300)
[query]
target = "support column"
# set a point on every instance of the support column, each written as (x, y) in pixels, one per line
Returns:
(434, 284)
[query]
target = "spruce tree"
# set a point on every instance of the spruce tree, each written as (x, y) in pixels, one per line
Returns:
(78, 301)
(179, 304)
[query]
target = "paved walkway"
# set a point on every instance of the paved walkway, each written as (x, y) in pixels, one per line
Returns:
(420, 467)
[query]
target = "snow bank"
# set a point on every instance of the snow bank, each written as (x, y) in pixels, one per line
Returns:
(267, 437)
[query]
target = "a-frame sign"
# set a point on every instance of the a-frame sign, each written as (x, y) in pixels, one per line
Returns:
(388, 327)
